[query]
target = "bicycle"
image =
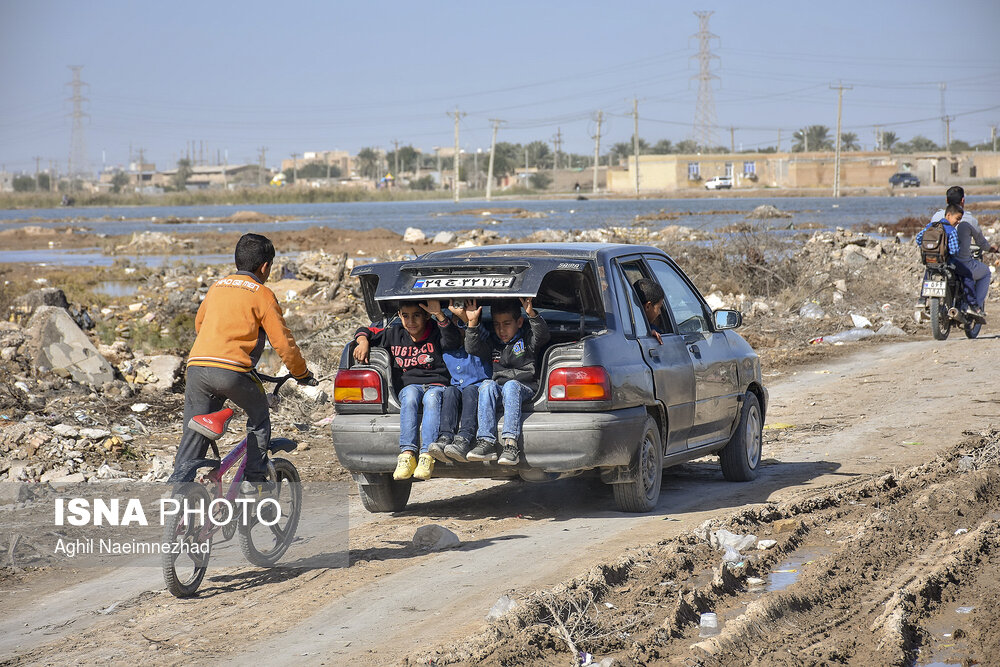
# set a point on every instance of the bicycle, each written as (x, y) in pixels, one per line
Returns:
(204, 516)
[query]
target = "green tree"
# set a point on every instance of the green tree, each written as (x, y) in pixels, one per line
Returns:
(24, 184)
(812, 138)
(368, 163)
(849, 142)
(317, 170)
(423, 183)
(957, 146)
(662, 147)
(506, 158)
(539, 155)
(921, 144)
(44, 182)
(541, 181)
(180, 178)
(119, 181)
(686, 147)
(889, 139)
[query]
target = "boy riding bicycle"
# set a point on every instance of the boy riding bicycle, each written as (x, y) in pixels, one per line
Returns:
(238, 314)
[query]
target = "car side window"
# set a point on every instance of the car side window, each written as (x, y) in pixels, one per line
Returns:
(635, 271)
(687, 309)
(623, 299)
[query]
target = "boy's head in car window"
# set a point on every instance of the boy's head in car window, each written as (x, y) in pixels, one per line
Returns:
(507, 319)
(651, 296)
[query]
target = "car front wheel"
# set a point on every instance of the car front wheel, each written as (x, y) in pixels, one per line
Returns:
(740, 458)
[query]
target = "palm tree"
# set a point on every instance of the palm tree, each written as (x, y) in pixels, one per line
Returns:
(812, 138)
(889, 139)
(849, 141)
(662, 147)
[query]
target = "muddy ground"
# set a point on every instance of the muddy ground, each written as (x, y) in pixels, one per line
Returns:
(878, 486)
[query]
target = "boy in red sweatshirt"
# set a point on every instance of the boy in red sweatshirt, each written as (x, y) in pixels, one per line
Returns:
(415, 348)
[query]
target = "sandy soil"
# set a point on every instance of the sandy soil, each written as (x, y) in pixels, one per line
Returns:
(887, 538)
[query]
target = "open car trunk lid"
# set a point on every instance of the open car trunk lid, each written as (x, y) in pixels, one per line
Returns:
(554, 282)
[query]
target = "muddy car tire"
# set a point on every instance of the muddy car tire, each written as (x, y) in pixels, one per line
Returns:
(643, 492)
(740, 458)
(386, 495)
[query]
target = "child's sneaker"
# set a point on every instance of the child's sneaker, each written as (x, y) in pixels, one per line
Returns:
(509, 456)
(485, 450)
(405, 465)
(458, 448)
(425, 466)
(436, 448)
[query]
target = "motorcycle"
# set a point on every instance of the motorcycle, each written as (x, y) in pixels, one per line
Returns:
(946, 301)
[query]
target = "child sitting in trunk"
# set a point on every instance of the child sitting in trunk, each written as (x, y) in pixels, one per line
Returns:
(514, 348)
(415, 348)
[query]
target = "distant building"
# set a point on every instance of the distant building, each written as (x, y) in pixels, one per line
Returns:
(342, 160)
(665, 173)
(215, 176)
(6, 181)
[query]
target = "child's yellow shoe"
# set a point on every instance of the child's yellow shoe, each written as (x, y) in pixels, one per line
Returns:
(425, 466)
(405, 465)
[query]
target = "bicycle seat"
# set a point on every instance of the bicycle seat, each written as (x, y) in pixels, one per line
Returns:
(213, 426)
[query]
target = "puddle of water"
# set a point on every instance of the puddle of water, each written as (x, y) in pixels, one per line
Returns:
(787, 573)
(117, 288)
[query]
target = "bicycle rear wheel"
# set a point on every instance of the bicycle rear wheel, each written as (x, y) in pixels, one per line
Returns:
(264, 545)
(187, 534)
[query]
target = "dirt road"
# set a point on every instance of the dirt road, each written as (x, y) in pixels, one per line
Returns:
(852, 469)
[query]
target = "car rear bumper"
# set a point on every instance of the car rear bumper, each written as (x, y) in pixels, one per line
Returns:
(552, 442)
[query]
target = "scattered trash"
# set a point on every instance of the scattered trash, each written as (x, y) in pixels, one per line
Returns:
(961, 531)
(503, 605)
(140, 407)
(731, 543)
(889, 329)
(964, 610)
(860, 320)
(966, 463)
(435, 538)
(708, 625)
(778, 426)
(848, 336)
(764, 545)
(811, 311)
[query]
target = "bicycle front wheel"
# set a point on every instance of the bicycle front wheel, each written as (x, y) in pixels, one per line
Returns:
(265, 538)
(185, 563)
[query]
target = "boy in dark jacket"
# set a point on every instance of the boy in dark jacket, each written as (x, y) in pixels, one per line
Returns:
(415, 349)
(514, 347)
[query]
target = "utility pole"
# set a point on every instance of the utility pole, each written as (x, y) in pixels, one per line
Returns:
(295, 168)
(805, 140)
(52, 174)
(78, 144)
(635, 140)
(37, 160)
(493, 150)
(878, 137)
(732, 139)
(260, 168)
(597, 146)
(458, 116)
(704, 115)
(993, 136)
(947, 133)
(395, 154)
(557, 143)
(779, 141)
(944, 117)
(142, 153)
(225, 170)
(836, 162)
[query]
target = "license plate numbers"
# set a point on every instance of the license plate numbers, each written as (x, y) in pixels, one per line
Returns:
(465, 282)
(933, 288)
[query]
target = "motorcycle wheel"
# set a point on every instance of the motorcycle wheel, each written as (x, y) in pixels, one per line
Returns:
(940, 322)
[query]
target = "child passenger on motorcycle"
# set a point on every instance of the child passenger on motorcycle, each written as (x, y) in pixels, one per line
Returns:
(974, 273)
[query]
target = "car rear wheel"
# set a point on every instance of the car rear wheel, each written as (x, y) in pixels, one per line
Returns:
(643, 492)
(385, 494)
(740, 458)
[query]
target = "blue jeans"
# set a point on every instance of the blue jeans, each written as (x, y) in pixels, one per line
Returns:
(513, 394)
(976, 277)
(459, 401)
(410, 399)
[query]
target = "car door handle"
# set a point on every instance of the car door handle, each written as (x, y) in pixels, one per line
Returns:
(654, 354)
(695, 351)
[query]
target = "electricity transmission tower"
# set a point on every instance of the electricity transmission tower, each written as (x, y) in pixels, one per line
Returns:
(704, 114)
(77, 143)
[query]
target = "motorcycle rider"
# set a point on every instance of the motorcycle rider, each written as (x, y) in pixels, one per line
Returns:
(974, 273)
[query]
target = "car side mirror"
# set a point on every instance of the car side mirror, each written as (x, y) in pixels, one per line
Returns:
(727, 319)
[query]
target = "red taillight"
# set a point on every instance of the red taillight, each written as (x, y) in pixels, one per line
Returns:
(360, 386)
(589, 383)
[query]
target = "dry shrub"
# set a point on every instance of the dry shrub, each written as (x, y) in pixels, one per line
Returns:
(908, 226)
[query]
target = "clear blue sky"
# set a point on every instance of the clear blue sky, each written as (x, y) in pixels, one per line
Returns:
(295, 77)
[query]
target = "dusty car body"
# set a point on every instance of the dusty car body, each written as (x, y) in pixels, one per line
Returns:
(612, 399)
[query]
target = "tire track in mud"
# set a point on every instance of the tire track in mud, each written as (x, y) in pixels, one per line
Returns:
(895, 569)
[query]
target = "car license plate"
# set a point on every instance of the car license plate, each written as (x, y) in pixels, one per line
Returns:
(464, 282)
(933, 288)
